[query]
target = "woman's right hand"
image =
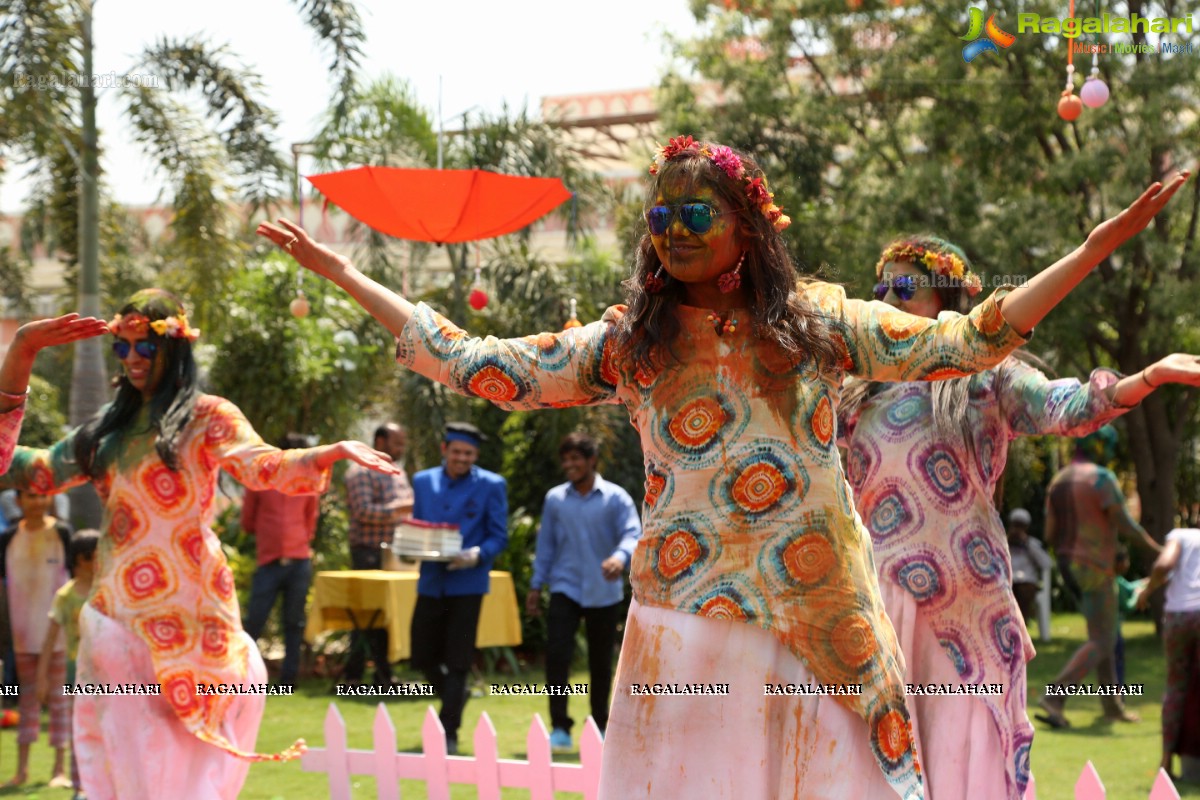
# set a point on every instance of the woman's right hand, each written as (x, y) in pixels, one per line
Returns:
(34, 336)
(313, 256)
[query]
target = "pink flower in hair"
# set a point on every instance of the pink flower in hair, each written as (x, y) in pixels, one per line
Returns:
(728, 162)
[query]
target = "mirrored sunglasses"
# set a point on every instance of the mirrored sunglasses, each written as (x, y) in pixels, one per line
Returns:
(697, 217)
(905, 287)
(144, 348)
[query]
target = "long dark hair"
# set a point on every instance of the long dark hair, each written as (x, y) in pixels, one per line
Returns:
(778, 312)
(171, 406)
(950, 397)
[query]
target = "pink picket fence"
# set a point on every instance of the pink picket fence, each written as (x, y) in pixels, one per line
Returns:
(486, 770)
(540, 775)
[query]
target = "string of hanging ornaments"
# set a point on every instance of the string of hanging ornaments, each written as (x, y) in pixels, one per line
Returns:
(1094, 92)
(299, 305)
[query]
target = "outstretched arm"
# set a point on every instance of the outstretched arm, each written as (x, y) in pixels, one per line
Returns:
(1025, 307)
(18, 363)
(32, 337)
(389, 308)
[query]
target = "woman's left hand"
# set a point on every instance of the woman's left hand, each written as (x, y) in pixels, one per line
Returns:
(368, 457)
(1113, 232)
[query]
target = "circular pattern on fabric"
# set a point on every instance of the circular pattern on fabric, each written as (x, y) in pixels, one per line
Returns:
(890, 513)
(214, 638)
(166, 632)
(221, 427)
(659, 486)
(799, 560)
(692, 433)
(179, 688)
(954, 644)
(892, 740)
(1006, 637)
(496, 381)
(920, 576)
(126, 525)
(734, 599)
(146, 578)
(696, 425)
(814, 422)
(938, 470)
(222, 582)
(978, 555)
(550, 351)
(758, 484)
(844, 641)
(903, 407)
(188, 543)
(166, 489)
(684, 550)
(1022, 745)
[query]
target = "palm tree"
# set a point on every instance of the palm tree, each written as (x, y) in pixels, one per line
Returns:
(227, 154)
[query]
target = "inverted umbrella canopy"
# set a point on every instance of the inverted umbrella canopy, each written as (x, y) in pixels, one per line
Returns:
(440, 205)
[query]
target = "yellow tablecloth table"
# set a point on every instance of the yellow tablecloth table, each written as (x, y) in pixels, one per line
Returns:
(382, 599)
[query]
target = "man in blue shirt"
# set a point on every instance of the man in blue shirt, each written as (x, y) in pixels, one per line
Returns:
(449, 594)
(589, 530)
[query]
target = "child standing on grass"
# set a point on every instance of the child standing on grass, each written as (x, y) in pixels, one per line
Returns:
(33, 560)
(64, 616)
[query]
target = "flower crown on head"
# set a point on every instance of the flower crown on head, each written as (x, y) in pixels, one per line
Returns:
(728, 162)
(945, 264)
(136, 324)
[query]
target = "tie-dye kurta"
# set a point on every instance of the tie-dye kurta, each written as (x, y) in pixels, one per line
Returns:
(936, 532)
(747, 514)
(10, 428)
(160, 571)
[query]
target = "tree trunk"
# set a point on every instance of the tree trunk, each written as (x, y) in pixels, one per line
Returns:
(89, 377)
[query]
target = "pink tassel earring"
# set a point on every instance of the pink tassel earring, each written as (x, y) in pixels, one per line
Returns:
(655, 283)
(731, 281)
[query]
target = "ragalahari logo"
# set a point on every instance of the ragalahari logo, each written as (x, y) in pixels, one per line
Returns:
(992, 36)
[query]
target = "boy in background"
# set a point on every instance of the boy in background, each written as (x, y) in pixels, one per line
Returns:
(33, 561)
(64, 616)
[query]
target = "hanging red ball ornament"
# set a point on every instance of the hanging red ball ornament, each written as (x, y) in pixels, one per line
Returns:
(1069, 106)
(478, 299)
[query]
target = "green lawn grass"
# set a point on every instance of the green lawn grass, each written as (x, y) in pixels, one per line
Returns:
(1126, 755)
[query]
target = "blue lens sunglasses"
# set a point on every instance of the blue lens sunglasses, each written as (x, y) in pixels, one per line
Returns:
(905, 287)
(697, 217)
(144, 348)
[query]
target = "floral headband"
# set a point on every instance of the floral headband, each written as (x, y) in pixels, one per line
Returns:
(136, 324)
(945, 264)
(729, 163)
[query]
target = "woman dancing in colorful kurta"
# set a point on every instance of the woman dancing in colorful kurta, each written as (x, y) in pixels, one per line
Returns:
(924, 460)
(163, 608)
(753, 568)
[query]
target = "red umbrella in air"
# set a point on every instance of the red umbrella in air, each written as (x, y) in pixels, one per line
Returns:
(440, 205)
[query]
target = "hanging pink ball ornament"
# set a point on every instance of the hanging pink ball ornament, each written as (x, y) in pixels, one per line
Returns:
(299, 306)
(1094, 92)
(1069, 107)
(478, 299)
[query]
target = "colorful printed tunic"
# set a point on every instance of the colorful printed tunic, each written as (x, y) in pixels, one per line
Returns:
(936, 532)
(747, 514)
(160, 571)
(10, 429)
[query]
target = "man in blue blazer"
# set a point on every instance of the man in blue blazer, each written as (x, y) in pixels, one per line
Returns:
(449, 595)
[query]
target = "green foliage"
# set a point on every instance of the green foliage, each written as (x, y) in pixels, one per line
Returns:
(291, 375)
(45, 421)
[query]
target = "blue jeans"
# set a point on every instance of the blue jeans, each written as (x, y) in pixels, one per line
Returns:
(292, 581)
